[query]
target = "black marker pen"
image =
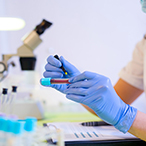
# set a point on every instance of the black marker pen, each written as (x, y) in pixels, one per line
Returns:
(100, 123)
(56, 56)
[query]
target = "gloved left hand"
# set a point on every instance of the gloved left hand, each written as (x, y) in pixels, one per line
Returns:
(53, 70)
(97, 92)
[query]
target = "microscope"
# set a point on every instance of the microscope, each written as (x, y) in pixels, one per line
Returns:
(25, 52)
(29, 108)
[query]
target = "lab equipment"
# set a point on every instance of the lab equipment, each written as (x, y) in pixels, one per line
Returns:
(97, 92)
(11, 100)
(26, 132)
(25, 52)
(57, 57)
(17, 108)
(2, 133)
(53, 70)
(18, 130)
(39, 136)
(8, 129)
(27, 62)
(4, 95)
(55, 135)
(50, 81)
(34, 109)
(3, 99)
(29, 127)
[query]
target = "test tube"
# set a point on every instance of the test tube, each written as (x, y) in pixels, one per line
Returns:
(29, 128)
(18, 133)
(12, 99)
(3, 99)
(4, 95)
(49, 81)
(13, 94)
(2, 133)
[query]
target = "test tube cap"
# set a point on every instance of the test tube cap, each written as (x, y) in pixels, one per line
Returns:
(8, 126)
(30, 124)
(46, 81)
(5, 90)
(14, 88)
(2, 124)
(18, 127)
(31, 118)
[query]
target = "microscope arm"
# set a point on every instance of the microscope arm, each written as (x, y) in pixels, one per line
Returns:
(30, 42)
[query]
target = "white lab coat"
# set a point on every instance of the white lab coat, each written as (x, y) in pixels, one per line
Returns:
(134, 72)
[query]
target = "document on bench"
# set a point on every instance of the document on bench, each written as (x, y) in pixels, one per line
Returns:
(74, 131)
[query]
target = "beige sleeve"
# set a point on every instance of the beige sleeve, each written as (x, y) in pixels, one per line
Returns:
(132, 73)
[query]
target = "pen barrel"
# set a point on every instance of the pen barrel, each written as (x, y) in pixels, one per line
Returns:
(63, 69)
(95, 123)
(57, 57)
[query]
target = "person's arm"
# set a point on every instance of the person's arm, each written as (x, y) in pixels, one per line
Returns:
(138, 127)
(126, 92)
(89, 109)
(97, 92)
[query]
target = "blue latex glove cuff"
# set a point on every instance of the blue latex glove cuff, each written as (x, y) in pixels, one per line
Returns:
(127, 119)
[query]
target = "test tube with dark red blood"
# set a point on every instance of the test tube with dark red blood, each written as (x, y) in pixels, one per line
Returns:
(49, 81)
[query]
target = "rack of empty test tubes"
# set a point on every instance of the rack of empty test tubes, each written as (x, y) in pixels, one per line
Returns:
(17, 132)
(14, 132)
(7, 100)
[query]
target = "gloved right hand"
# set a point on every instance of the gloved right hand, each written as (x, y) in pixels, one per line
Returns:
(97, 92)
(53, 70)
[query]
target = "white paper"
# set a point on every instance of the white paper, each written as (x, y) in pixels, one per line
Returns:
(76, 132)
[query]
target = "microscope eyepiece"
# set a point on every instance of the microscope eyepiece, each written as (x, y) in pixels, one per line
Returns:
(42, 27)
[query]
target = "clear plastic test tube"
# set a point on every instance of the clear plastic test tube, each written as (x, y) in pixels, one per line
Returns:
(13, 94)
(18, 132)
(49, 81)
(2, 133)
(4, 95)
(3, 99)
(29, 129)
(11, 100)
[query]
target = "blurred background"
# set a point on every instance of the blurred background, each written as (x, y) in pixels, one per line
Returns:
(95, 35)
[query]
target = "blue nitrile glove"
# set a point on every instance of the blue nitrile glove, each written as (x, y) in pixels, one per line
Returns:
(97, 92)
(53, 70)
(143, 4)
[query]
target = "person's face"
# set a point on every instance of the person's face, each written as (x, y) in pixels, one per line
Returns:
(143, 4)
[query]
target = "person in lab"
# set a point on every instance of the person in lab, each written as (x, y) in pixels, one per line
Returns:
(96, 93)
